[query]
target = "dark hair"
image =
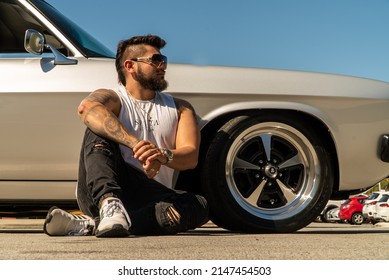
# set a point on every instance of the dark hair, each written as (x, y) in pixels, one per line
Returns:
(134, 47)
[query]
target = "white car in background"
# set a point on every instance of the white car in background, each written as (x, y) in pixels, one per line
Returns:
(382, 209)
(330, 213)
(276, 145)
(369, 209)
(333, 215)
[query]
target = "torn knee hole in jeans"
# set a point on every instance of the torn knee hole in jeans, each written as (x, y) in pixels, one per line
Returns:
(167, 215)
(99, 146)
(102, 146)
(173, 216)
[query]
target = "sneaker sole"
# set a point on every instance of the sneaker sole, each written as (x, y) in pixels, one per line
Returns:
(116, 231)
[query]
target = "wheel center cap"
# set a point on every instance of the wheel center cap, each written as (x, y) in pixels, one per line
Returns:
(271, 171)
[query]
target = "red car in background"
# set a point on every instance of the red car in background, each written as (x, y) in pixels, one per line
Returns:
(351, 210)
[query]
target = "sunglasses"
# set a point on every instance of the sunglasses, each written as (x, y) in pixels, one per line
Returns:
(156, 59)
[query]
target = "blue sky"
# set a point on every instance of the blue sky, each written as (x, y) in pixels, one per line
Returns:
(332, 36)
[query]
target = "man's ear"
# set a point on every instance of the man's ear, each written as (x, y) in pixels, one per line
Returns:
(128, 65)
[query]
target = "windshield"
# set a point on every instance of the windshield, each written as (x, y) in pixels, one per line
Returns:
(84, 42)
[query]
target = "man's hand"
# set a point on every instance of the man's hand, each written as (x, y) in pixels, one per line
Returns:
(150, 156)
(151, 168)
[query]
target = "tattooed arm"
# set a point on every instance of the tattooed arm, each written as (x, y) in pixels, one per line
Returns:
(99, 112)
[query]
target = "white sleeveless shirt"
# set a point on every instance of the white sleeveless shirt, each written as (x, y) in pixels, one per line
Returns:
(154, 120)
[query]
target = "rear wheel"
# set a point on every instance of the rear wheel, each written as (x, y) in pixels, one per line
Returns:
(357, 218)
(267, 174)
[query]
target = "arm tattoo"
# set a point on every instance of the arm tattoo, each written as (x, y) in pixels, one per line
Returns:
(115, 132)
(103, 96)
(104, 122)
(112, 128)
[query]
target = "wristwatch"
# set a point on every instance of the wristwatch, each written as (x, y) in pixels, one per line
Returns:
(168, 154)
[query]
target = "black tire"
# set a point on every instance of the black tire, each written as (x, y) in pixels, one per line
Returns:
(267, 173)
(357, 219)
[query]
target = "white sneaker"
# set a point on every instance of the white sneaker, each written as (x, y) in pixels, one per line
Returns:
(114, 220)
(61, 223)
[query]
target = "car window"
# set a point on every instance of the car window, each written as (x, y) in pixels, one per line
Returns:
(346, 201)
(14, 21)
(384, 198)
(373, 196)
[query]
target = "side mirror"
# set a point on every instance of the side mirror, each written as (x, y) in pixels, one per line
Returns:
(35, 43)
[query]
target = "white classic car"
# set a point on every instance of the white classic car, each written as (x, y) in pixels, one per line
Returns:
(276, 145)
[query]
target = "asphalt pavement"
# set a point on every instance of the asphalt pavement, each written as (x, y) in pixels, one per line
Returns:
(25, 240)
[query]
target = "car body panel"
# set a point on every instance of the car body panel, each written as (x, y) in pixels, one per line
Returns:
(351, 206)
(380, 211)
(40, 119)
(383, 212)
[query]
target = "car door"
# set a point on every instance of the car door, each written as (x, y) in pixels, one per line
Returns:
(40, 133)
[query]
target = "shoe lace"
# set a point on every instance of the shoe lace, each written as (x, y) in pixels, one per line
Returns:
(115, 207)
(81, 226)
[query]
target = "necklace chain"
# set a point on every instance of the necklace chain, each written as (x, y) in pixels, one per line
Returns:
(145, 113)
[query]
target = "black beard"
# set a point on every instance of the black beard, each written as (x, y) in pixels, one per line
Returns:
(151, 83)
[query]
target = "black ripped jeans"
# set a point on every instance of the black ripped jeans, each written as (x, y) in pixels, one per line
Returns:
(103, 171)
